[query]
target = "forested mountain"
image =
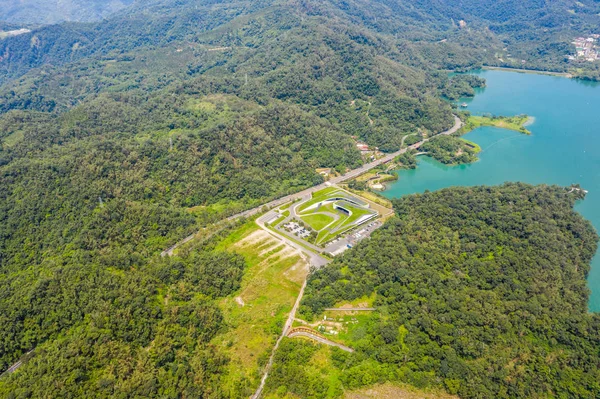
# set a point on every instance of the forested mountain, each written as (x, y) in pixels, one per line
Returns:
(169, 107)
(500, 33)
(119, 137)
(54, 11)
(479, 290)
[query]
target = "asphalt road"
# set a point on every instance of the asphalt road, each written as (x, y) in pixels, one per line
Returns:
(348, 176)
(314, 258)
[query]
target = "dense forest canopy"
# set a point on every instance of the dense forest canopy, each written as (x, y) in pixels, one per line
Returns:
(495, 33)
(121, 136)
(54, 11)
(479, 290)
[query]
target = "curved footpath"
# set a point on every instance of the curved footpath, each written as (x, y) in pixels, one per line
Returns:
(305, 332)
(349, 175)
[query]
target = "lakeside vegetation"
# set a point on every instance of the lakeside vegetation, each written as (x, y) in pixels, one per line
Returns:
(517, 123)
(477, 290)
(451, 150)
(120, 137)
(462, 85)
(408, 160)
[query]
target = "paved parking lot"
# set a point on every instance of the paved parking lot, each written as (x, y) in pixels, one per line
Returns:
(341, 244)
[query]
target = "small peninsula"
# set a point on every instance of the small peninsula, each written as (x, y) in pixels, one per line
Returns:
(517, 123)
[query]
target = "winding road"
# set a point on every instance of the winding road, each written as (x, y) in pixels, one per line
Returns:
(315, 259)
(348, 176)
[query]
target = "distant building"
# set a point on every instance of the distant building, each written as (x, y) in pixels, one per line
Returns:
(362, 147)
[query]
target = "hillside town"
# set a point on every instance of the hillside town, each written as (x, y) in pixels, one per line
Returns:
(586, 49)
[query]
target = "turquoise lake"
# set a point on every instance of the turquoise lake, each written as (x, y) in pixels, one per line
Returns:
(564, 147)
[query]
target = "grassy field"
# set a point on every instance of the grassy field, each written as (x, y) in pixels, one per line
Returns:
(343, 224)
(516, 123)
(320, 195)
(364, 301)
(256, 314)
(396, 391)
(317, 221)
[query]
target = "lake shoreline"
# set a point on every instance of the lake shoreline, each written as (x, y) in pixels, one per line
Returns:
(532, 71)
(562, 149)
(515, 123)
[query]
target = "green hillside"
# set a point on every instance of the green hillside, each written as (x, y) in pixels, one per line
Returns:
(55, 11)
(480, 291)
(120, 137)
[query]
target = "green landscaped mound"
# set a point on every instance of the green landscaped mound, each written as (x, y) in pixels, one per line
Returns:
(322, 195)
(333, 211)
(318, 221)
(344, 223)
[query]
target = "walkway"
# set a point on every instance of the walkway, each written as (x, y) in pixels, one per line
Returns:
(312, 334)
(284, 333)
(315, 259)
(18, 364)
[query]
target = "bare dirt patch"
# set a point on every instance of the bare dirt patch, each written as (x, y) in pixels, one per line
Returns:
(254, 238)
(389, 391)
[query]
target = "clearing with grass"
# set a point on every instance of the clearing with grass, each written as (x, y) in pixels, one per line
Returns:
(257, 312)
(517, 123)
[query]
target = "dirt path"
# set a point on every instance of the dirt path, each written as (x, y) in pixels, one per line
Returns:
(286, 328)
(305, 332)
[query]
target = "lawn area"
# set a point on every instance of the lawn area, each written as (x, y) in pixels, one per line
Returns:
(317, 220)
(343, 224)
(279, 219)
(318, 196)
(364, 301)
(255, 315)
(286, 206)
(516, 123)
(354, 326)
(366, 176)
